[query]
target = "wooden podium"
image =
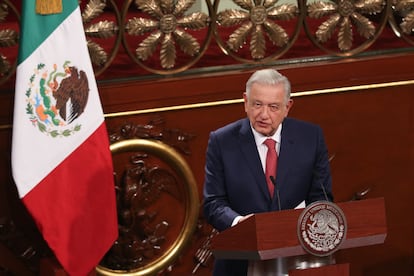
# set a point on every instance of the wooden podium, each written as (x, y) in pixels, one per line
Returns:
(273, 235)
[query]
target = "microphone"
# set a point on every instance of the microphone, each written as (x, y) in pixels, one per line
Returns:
(322, 186)
(272, 178)
(324, 192)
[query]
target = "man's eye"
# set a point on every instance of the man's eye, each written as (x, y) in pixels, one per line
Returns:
(274, 107)
(257, 105)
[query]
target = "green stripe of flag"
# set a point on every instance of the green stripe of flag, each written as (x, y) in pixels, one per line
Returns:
(36, 28)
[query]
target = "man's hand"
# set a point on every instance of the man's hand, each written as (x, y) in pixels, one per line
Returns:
(245, 217)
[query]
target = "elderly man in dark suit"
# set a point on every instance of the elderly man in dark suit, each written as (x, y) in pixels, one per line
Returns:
(237, 182)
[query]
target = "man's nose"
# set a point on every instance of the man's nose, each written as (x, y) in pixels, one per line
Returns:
(265, 111)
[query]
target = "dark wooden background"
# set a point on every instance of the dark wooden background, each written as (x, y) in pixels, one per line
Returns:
(365, 107)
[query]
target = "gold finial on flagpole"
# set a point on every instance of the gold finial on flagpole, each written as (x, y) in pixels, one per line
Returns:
(48, 6)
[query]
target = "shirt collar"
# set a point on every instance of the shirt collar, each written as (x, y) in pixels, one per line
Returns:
(260, 138)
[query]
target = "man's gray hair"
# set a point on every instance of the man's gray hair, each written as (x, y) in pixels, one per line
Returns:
(268, 77)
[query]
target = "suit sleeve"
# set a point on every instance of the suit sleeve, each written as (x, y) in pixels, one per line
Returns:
(321, 187)
(216, 207)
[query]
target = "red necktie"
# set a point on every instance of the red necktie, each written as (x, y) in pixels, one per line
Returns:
(271, 163)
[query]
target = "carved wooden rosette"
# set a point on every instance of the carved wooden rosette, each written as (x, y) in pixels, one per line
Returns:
(402, 19)
(103, 32)
(158, 208)
(9, 39)
(345, 27)
(160, 35)
(259, 31)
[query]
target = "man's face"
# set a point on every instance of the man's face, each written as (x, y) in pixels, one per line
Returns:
(266, 107)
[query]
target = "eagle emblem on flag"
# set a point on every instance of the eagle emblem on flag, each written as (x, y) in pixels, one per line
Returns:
(57, 98)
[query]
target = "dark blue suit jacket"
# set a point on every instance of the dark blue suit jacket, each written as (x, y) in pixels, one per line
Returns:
(235, 182)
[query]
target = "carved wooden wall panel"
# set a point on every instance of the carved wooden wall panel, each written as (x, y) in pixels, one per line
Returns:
(365, 106)
(129, 38)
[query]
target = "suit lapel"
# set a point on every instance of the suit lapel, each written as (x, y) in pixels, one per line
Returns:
(249, 149)
(287, 150)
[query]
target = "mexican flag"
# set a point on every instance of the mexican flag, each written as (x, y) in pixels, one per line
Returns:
(61, 161)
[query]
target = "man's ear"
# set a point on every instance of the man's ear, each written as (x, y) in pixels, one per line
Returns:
(289, 106)
(245, 101)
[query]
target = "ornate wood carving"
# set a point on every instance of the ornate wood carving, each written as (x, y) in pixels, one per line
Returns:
(19, 255)
(157, 199)
(166, 37)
